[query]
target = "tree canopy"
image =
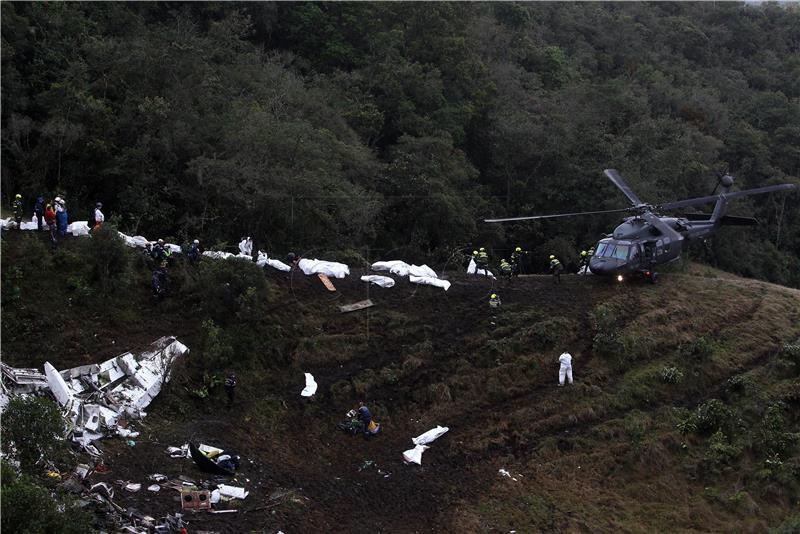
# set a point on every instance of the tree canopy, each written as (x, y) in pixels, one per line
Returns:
(402, 125)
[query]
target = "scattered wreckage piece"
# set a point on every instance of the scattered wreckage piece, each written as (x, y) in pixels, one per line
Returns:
(205, 463)
(311, 386)
(360, 305)
(99, 398)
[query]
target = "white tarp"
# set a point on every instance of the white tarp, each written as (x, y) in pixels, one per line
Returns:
(583, 271)
(397, 267)
(135, 241)
(383, 281)
(330, 268)
(264, 259)
(246, 246)
(218, 255)
(427, 280)
(401, 268)
(473, 269)
(311, 386)
(232, 491)
(414, 455)
(430, 435)
(77, 228)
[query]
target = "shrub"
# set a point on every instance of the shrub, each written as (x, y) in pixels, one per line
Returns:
(712, 415)
(549, 331)
(107, 258)
(743, 384)
(721, 451)
(229, 290)
(671, 375)
(699, 349)
(217, 352)
(773, 437)
(606, 342)
(35, 428)
(30, 508)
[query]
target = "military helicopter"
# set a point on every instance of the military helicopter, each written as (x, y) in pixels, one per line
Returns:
(646, 239)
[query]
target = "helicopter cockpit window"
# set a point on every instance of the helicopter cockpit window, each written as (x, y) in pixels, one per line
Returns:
(621, 252)
(601, 249)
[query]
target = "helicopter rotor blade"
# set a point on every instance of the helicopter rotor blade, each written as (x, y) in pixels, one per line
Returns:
(615, 177)
(663, 227)
(510, 219)
(713, 198)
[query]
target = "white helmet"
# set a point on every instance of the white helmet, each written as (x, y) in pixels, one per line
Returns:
(196, 241)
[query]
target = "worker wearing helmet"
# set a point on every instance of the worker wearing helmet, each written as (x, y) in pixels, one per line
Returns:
(516, 261)
(482, 261)
(494, 301)
(583, 265)
(505, 268)
(556, 268)
(99, 218)
(17, 207)
(194, 252)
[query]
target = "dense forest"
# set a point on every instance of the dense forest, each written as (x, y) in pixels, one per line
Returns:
(393, 129)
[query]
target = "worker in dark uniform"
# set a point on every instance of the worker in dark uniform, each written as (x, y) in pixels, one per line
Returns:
(556, 268)
(230, 388)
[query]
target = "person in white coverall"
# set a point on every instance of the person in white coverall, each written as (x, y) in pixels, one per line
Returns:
(566, 368)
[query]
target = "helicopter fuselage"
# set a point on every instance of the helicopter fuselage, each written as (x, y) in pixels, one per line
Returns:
(636, 246)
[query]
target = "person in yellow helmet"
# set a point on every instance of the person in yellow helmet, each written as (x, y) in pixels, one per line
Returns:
(556, 268)
(505, 268)
(17, 207)
(482, 261)
(516, 261)
(584, 262)
(494, 301)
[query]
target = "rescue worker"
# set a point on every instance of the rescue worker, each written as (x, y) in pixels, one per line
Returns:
(505, 269)
(230, 387)
(590, 252)
(50, 220)
(194, 252)
(99, 218)
(159, 252)
(482, 261)
(17, 207)
(556, 268)
(584, 262)
(494, 301)
(160, 281)
(370, 427)
(516, 261)
(62, 217)
(38, 211)
(565, 371)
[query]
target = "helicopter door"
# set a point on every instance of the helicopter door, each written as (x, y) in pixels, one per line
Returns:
(649, 252)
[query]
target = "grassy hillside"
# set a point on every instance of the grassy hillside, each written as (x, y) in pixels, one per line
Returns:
(683, 417)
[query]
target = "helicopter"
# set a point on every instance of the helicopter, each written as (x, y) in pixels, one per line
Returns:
(647, 239)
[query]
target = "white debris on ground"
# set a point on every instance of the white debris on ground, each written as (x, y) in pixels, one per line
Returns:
(246, 247)
(97, 398)
(414, 455)
(383, 281)
(329, 268)
(507, 474)
(311, 386)
(233, 492)
(430, 436)
(417, 274)
(473, 269)
(264, 259)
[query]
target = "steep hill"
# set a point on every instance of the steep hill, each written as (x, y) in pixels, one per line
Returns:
(683, 415)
